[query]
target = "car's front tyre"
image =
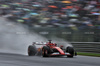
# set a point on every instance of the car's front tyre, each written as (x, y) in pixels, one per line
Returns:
(71, 51)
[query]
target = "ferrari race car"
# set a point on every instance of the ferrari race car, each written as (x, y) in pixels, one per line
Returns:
(50, 49)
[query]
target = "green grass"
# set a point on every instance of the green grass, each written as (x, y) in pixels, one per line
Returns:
(88, 54)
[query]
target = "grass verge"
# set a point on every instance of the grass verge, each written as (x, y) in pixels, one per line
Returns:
(89, 54)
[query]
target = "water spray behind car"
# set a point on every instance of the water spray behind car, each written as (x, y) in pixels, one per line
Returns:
(14, 38)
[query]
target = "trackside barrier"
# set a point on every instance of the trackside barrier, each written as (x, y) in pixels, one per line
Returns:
(87, 46)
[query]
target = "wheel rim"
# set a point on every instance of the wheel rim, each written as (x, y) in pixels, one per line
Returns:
(46, 51)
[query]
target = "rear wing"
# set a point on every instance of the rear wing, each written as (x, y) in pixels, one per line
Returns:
(39, 43)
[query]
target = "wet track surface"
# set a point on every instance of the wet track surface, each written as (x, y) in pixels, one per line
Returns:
(7, 59)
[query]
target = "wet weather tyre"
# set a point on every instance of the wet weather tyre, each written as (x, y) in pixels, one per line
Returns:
(71, 51)
(32, 50)
(45, 51)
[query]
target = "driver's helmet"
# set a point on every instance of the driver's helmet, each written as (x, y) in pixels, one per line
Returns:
(55, 44)
(49, 41)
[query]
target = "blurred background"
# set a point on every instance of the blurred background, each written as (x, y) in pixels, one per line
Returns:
(72, 20)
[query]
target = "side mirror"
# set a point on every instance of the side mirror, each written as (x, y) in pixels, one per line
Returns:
(61, 46)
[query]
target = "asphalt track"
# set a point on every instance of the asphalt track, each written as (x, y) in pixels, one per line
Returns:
(8, 59)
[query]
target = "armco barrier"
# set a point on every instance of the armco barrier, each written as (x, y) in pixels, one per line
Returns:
(87, 46)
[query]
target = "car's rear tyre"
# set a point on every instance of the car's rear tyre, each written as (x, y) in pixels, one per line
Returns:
(45, 51)
(71, 51)
(32, 50)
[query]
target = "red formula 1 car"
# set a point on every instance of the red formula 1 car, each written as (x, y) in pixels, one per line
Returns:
(50, 49)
